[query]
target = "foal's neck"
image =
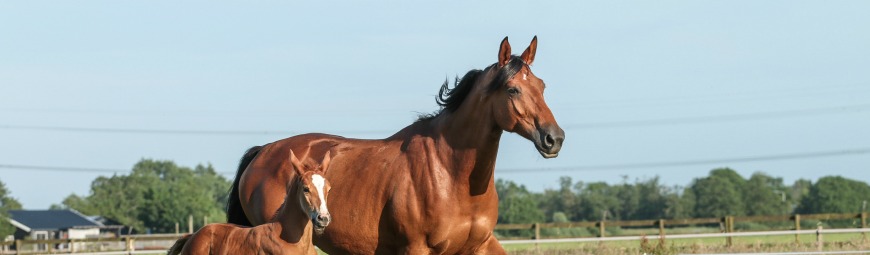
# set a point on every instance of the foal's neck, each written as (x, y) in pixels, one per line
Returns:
(292, 222)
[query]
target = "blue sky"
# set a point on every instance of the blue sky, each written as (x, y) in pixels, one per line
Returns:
(632, 82)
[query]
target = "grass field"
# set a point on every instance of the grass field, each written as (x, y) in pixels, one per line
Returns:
(781, 243)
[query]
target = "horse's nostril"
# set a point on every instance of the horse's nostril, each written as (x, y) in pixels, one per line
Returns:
(549, 141)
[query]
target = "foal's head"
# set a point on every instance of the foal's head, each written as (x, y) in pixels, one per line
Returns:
(514, 97)
(313, 190)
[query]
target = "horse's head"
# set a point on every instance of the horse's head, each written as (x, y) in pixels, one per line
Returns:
(313, 189)
(516, 97)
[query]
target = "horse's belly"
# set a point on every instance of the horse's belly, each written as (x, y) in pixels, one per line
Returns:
(460, 237)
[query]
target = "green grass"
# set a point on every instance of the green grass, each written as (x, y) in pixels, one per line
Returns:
(782, 243)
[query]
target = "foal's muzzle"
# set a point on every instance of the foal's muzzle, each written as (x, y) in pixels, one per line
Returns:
(321, 221)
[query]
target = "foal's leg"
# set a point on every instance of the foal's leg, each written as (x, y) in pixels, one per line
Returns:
(491, 246)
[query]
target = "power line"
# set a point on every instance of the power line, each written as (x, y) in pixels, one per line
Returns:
(717, 98)
(64, 169)
(725, 118)
(612, 124)
(172, 131)
(776, 157)
(72, 169)
(806, 155)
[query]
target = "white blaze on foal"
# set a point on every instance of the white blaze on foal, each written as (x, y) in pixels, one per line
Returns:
(319, 184)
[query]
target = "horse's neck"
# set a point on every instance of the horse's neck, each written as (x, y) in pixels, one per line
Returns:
(291, 223)
(469, 143)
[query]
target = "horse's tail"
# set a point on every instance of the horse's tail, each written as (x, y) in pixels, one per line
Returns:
(235, 213)
(179, 245)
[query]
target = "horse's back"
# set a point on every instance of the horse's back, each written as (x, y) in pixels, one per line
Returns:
(263, 183)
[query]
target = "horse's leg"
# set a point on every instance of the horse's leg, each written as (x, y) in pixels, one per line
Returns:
(414, 249)
(491, 246)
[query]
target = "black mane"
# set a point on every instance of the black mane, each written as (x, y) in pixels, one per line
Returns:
(451, 99)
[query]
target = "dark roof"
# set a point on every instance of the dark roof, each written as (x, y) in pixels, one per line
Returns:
(51, 219)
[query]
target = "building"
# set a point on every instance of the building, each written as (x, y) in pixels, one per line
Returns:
(53, 224)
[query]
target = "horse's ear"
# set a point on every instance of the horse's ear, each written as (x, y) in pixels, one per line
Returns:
(297, 165)
(504, 52)
(324, 165)
(529, 55)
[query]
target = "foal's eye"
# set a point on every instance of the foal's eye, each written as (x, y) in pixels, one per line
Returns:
(513, 91)
(306, 190)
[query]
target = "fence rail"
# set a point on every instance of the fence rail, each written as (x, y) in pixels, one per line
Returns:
(135, 244)
(130, 244)
(726, 222)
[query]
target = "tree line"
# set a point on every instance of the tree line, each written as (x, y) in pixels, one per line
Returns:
(157, 194)
(723, 192)
(152, 198)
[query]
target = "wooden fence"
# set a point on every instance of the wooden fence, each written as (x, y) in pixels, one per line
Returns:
(129, 244)
(726, 222)
(158, 242)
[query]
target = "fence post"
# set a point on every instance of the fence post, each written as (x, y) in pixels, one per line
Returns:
(729, 227)
(819, 242)
(797, 227)
(863, 219)
(190, 224)
(661, 227)
(18, 246)
(864, 224)
(537, 227)
(130, 247)
(601, 229)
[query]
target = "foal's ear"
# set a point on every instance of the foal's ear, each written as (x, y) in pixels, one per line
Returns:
(324, 165)
(504, 52)
(529, 55)
(297, 165)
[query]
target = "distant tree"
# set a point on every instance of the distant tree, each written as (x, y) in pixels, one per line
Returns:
(562, 201)
(719, 194)
(765, 195)
(652, 199)
(7, 203)
(798, 190)
(155, 196)
(679, 203)
(517, 204)
(835, 194)
(596, 201)
(78, 203)
(627, 198)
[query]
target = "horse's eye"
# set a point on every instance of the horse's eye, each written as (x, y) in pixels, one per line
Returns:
(513, 91)
(306, 190)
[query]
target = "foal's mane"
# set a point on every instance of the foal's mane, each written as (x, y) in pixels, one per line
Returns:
(450, 99)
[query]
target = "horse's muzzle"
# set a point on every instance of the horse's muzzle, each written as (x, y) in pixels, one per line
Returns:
(549, 140)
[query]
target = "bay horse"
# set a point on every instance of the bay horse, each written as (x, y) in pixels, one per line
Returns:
(289, 230)
(427, 189)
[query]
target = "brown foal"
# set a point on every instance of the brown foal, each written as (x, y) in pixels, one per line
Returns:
(289, 232)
